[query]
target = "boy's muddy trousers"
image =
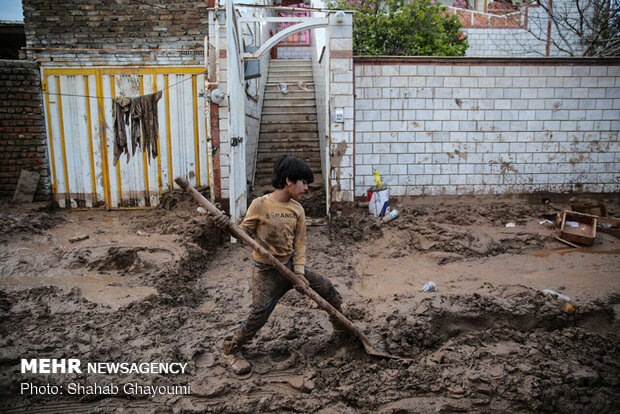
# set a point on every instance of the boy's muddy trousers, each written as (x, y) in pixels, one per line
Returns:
(268, 286)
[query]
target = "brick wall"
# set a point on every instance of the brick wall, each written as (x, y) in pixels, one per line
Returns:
(22, 128)
(115, 24)
(473, 126)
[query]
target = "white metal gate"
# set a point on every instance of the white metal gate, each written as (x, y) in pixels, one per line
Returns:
(79, 121)
(236, 93)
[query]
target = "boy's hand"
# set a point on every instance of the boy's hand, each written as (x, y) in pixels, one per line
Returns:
(222, 222)
(303, 279)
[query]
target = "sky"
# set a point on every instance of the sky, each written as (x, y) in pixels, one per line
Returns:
(11, 10)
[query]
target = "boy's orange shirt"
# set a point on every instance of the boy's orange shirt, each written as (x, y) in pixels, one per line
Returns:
(280, 228)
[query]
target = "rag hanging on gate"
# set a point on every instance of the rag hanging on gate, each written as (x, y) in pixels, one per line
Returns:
(140, 113)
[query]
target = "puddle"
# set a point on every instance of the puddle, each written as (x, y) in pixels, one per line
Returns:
(99, 288)
(590, 250)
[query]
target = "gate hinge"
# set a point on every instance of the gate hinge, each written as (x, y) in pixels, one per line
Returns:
(234, 141)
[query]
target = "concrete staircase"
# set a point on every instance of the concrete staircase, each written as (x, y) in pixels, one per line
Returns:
(288, 123)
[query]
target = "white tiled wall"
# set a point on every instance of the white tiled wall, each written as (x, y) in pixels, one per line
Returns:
(468, 129)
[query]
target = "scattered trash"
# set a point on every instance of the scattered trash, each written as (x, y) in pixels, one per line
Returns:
(556, 294)
(303, 85)
(378, 201)
(430, 287)
(282, 88)
(570, 309)
(142, 234)
(578, 227)
(201, 210)
(78, 238)
(511, 224)
(545, 222)
(390, 216)
(608, 225)
(595, 208)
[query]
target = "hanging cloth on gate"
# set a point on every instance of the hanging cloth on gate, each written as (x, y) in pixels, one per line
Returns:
(140, 114)
(120, 114)
(150, 123)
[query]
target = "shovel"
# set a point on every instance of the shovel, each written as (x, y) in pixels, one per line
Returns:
(238, 233)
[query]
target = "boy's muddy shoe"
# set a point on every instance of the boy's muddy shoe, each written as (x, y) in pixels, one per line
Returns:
(237, 362)
(234, 358)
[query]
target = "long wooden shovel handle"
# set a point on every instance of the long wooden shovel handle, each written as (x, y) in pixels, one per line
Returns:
(237, 232)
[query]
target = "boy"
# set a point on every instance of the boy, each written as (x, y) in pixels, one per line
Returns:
(278, 223)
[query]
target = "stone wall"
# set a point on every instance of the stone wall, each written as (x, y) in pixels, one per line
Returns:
(173, 29)
(474, 126)
(22, 127)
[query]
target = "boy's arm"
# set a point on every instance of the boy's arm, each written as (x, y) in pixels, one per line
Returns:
(299, 245)
(251, 218)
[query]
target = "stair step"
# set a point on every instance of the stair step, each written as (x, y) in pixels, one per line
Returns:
(267, 170)
(297, 111)
(279, 147)
(282, 145)
(268, 161)
(287, 112)
(285, 70)
(288, 136)
(291, 89)
(291, 95)
(286, 122)
(288, 117)
(290, 78)
(288, 104)
(286, 62)
(289, 128)
(312, 153)
(297, 106)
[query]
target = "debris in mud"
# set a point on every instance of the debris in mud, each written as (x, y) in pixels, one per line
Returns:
(26, 221)
(79, 238)
(486, 348)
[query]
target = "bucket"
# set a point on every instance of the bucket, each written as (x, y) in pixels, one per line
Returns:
(378, 201)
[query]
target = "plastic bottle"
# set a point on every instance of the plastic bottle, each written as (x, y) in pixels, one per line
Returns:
(390, 216)
(556, 294)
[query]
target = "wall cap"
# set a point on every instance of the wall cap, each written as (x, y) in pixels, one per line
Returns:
(469, 60)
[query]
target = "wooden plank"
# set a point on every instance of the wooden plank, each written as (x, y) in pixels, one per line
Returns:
(567, 242)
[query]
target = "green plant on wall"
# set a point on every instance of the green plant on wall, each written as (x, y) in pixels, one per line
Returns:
(404, 28)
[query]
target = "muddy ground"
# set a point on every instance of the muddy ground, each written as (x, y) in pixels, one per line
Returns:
(165, 285)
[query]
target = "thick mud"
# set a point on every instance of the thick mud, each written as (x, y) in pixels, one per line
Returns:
(165, 285)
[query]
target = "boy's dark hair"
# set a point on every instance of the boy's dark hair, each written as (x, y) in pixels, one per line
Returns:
(292, 168)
